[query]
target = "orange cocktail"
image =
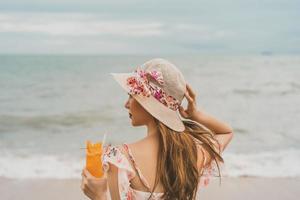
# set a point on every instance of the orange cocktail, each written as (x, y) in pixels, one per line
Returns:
(93, 158)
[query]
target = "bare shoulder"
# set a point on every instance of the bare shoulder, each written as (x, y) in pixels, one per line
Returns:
(143, 147)
(137, 145)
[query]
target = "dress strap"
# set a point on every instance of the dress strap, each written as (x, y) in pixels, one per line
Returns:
(142, 178)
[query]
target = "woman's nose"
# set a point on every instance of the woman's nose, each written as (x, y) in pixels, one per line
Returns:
(127, 104)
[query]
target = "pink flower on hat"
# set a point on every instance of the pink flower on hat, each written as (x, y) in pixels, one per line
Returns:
(156, 75)
(139, 84)
(158, 94)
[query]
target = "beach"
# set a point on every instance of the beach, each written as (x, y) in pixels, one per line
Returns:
(246, 188)
(58, 91)
(50, 105)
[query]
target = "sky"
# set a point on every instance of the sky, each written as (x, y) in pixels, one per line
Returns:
(150, 27)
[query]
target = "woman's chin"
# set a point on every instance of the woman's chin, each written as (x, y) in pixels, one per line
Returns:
(133, 123)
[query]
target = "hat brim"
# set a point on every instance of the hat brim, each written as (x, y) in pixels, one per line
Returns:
(158, 110)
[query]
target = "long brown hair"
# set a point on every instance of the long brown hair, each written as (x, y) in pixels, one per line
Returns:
(177, 168)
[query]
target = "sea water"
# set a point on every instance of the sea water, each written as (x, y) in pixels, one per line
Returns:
(51, 104)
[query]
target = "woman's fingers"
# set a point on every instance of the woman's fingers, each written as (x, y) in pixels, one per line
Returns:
(84, 181)
(87, 190)
(87, 174)
(84, 178)
(188, 97)
(83, 173)
(190, 91)
(85, 185)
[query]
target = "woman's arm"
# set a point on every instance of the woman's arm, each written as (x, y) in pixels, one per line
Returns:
(223, 131)
(112, 179)
(96, 188)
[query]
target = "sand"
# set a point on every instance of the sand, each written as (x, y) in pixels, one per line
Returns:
(245, 188)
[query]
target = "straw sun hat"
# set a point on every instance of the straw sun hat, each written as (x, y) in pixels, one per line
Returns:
(159, 87)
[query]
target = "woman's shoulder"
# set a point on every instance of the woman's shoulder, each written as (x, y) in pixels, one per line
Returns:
(117, 151)
(114, 154)
(124, 149)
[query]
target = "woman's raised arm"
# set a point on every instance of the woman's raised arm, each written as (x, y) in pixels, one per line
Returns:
(223, 131)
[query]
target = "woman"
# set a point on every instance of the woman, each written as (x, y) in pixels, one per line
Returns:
(177, 156)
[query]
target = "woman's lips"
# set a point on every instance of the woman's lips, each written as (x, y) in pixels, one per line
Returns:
(130, 115)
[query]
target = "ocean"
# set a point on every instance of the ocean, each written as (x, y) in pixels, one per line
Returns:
(51, 104)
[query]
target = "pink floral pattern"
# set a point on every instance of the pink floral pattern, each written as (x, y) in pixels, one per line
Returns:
(157, 76)
(140, 84)
(205, 178)
(115, 156)
(125, 173)
(209, 171)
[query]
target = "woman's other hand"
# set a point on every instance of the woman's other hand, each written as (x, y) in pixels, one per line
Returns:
(191, 111)
(94, 188)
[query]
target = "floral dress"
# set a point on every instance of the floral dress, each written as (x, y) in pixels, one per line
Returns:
(114, 155)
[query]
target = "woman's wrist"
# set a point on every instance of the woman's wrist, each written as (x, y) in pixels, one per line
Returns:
(197, 116)
(217, 126)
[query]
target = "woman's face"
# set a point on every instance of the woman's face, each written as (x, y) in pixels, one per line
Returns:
(138, 115)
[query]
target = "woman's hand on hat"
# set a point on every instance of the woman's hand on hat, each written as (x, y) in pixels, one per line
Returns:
(94, 188)
(191, 111)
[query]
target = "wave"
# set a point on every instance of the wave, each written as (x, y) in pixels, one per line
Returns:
(284, 163)
(40, 166)
(45, 121)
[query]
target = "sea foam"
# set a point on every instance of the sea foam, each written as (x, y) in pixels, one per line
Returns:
(284, 163)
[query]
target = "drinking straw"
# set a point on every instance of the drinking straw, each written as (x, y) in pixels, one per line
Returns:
(104, 139)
